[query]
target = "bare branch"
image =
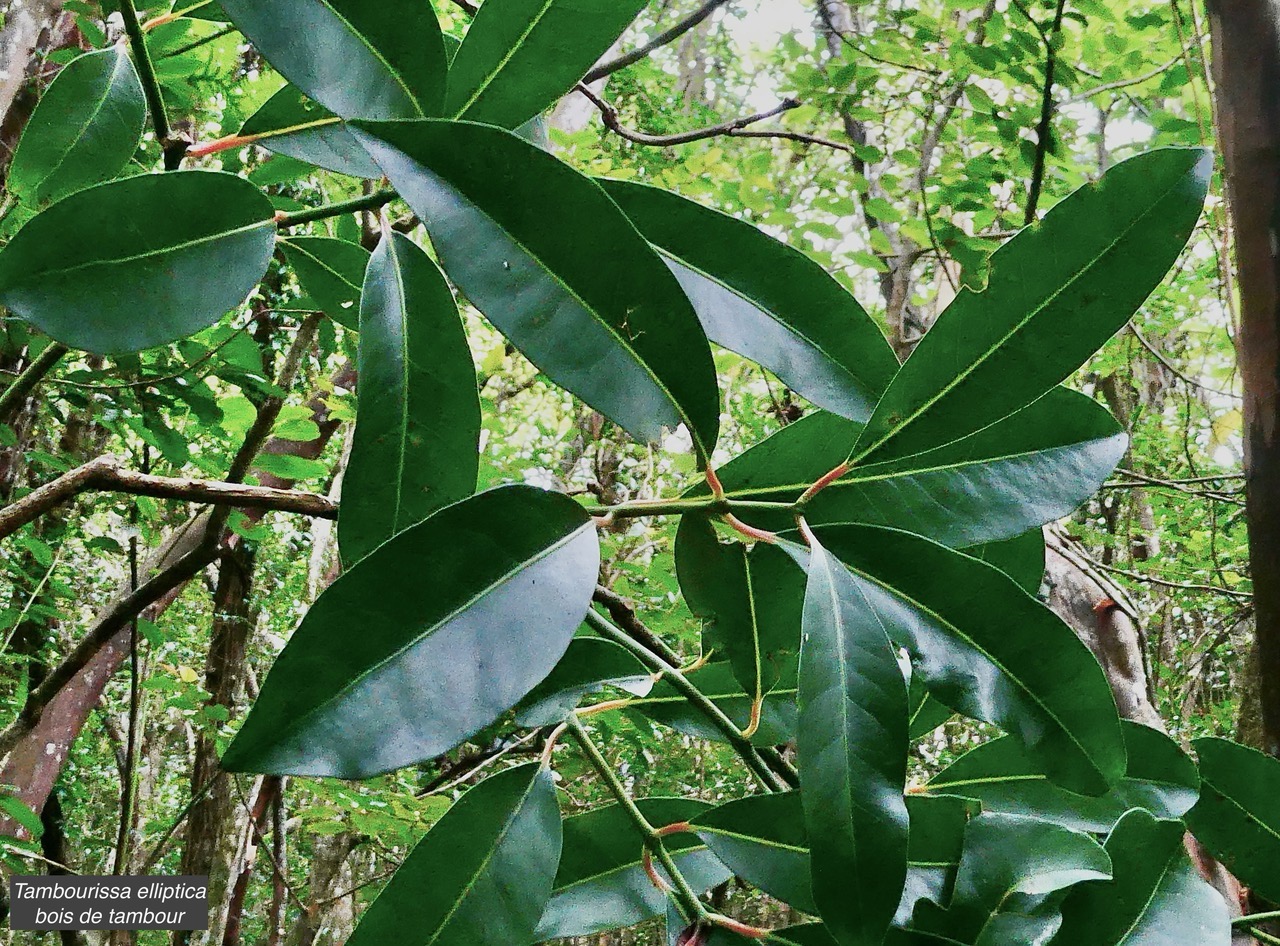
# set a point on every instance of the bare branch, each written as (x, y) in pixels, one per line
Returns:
(662, 39)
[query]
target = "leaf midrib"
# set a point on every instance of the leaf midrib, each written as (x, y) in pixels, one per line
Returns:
(377, 54)
(488, 78)
(93, 115)
(1020, 325)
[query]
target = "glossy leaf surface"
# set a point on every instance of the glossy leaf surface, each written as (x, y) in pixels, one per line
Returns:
(483, 873)
(589, 665)
(1055, 293)
(1022, 558)
(1029, 469)
(666, 705)
(1007, 862)
(1159, 779)
(316, 139)
(851, 751)
(83, 131)
(360, 60)
(766, 300)
(601, 883)
(552, 262)
(415, 447)
(114, 268)
(521, 56)
(1026, 672)
(1238, 815)
(458, 618)
(1155, 899)
(331, 272)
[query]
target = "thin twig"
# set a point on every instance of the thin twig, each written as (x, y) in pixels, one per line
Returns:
(31, 375)
(172, 148)
(366, 202)
(1044, 129)
(664, 38)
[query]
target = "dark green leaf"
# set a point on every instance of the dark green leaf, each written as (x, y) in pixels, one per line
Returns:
(927, 714)
(1029, 469)
(1159, 778)
(1008, 864)
(851, 750)
(762, 839)
(520, 56)
(1055, 293)
(601, 883)
(451, 622)
(129, 265)
(766, 300)
(1238, 815)
(552, 262)
(316, 140)
(83, 131)
(1021, 558)
(666, 705)
(360, 60)
(482, 874)
(418, 421)
(586, 667)
(988, 649)
(331, 272)
(1156, 898)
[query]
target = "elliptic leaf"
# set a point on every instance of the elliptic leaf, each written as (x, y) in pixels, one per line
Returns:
(316, 138)
(851, 750)
(988, 649)
(589, 665)
(426, 640)
(84, 129)
(1055, 293)
(1008, 863)
(1031, 468)
(1238, 815)
(482, 874)
(417, 436)
(331, 272)
(602, 884)
(551, 261)
(1160, 779)
(139, 262)
(1155, 899)
(359, 60)
(766, 300)
(520, 56)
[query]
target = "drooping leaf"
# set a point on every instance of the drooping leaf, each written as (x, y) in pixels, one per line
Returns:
(1029, 469)
(1160, 779)
(416, 442)
(83, 131)
(1009, 863)
(121, 266)
(331, 272)
(1155, 899)
(667, 706)
(359, 60)
(716, 581)
(988, 649)
(601, 883)
(851, 750)
(1237, 818)
(483, 873)
(1055, 293)
(762, 839)
(766, 300)
(451, 623)
(551, 261)
(520, 56)
(589, 665)
(318, 138)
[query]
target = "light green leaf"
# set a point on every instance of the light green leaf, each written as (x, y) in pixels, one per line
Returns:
(491, 589)
(123, 266)
(418, 418)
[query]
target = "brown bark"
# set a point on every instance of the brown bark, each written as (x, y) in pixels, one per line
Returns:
(1246, 66)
